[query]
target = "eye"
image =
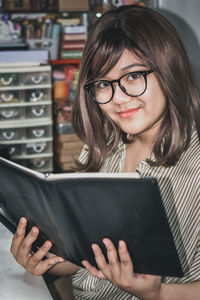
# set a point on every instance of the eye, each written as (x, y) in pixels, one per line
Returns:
(132, 76)
(99, 85)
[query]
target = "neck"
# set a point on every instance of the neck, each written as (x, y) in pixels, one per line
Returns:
(141, 147)
(146, 139)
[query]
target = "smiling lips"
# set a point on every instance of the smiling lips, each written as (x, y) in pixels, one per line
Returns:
(128, 113)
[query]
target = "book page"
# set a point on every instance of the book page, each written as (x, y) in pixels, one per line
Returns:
(91, 175)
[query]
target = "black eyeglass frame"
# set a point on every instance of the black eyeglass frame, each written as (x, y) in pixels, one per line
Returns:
(110, 82)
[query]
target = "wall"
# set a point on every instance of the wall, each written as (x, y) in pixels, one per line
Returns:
(184, 15)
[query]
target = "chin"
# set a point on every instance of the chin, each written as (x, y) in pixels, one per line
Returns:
(132, 130)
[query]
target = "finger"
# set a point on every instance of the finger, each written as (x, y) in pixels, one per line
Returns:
(111, 251)
(44, 266)
(92, 270)
(39, 255)
(25, 247)
(125, 260)
(112, 258)
(18, 236)
(101, 261)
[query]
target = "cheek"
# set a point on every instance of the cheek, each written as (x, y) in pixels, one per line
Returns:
(155, 112)
(154, 97)
(106, 109)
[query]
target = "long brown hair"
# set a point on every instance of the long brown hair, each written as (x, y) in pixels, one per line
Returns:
(156, 42)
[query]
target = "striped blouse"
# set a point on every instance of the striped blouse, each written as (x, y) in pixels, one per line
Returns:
(180, 190)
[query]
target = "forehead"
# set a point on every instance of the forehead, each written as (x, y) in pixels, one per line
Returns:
(127, 61)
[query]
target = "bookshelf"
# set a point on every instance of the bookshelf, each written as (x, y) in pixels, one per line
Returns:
(28, 6)
(66, 143)
(65, 78)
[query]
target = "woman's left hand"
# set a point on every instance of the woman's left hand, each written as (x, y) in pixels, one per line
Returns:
(121, 272)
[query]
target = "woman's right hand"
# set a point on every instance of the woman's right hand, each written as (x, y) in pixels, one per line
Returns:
(21, 250)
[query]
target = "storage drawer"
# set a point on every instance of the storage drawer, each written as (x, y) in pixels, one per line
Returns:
(39, 111)
(9, 97)
(36, 78)
(37, 95)
(37, 148)
(38, 132)
(11, 113)
(40, 163)
(9, 79)
(11, 134)
(14, 150)
(26, 115)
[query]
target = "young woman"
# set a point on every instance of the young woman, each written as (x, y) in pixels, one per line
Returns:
(137, 109)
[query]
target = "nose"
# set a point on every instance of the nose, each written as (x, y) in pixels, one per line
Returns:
(119, 96)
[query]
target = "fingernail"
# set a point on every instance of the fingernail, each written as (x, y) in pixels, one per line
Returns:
(84, 262)
(94, 248)
(121, 244)
(22, 220)
(34, 230)
(105, 242)
(60, 259)
(47, 244)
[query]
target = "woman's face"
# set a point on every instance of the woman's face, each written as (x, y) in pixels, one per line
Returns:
(135, 115)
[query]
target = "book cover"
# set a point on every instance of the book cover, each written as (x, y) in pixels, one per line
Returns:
(69, 209)
(69, 146)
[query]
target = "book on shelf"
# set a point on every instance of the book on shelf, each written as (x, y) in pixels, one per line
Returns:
(66, 137)
(71, 54)
(73, 45)
(72, 6)
(72, 37)
(68, 21)
(63, 153)
(34, 56)
(76, 29)
(68, 209)
(69, 146)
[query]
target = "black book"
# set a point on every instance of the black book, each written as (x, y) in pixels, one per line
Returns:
(74, 210)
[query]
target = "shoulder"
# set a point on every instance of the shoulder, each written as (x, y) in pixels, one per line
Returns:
(190, 159)
(113, 163)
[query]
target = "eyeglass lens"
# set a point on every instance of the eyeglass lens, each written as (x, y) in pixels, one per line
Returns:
(133, 83)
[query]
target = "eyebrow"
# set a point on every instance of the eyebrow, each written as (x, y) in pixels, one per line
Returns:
(133, 65)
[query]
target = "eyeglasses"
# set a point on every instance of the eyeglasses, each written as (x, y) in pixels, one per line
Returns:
(133, 84)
